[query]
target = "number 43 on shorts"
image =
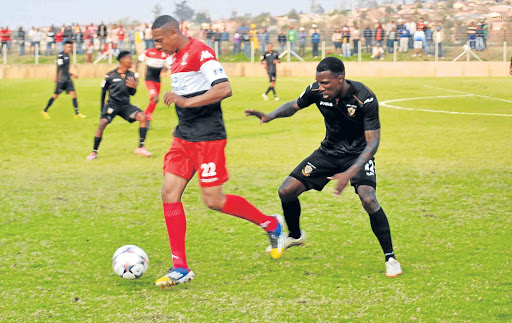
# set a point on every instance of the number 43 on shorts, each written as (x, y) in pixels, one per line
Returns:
(369, 168)
(208, 169)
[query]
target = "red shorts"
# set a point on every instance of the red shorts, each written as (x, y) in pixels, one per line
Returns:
(153, 88)
(205, 157)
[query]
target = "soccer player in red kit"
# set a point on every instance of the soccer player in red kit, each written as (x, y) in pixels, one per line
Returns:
(155, 61)
(199, 84)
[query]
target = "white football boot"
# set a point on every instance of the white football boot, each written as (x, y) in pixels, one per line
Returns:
(393, 268)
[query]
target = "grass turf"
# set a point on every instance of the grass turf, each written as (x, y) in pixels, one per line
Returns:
(444, 181)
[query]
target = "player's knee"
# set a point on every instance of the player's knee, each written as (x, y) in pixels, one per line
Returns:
(55, 96)
(286, 193)
(140, 116)
(213, 203)
(169, 195)
(370, 203)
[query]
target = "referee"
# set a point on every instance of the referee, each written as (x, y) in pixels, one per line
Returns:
(63, 81)
(351, 116)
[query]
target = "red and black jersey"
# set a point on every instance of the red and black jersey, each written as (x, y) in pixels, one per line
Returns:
(195, 69)
(155, 61)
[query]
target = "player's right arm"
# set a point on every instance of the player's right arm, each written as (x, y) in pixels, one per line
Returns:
(289, 108)
(286, 110)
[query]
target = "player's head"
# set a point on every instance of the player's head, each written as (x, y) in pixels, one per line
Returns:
(167, 35)
(68, 46)
(330, 75)
(125, 59)
(270, 46)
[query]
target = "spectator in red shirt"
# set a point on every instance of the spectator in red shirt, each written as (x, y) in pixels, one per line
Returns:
(120, 34)
(6, 38)
(421, 25)
(59, 40)
(379, 35)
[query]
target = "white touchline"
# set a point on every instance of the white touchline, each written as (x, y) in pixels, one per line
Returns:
(386, 103)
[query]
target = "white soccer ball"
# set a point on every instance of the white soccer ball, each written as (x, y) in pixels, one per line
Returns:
(130, 262)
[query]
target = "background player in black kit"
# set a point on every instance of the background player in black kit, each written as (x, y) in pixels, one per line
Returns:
(269, 60)
(63, 81)
(121, 84)
(351, 114)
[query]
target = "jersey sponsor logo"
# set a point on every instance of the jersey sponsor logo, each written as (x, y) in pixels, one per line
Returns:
(306, 171)
(218, 71)
(205, 55)
(117, 80)
(368, 100)
(329, 104)
(60, 61)
(351, 109)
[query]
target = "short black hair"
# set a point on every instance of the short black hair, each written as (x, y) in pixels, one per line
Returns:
(123, 54)
(163, 20)
(68, 42)
(332, 64)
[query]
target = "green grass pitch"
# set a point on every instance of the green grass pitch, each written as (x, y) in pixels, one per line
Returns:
(444, 180)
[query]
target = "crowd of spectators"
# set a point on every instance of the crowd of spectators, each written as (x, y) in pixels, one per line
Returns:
(379, 40)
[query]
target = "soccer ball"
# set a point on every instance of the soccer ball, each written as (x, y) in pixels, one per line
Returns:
(130, 262)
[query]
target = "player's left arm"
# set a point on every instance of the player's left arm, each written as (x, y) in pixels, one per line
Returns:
(217, 93)
(132, 83)
(220, 89)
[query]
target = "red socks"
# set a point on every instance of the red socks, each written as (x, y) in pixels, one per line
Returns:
(149, 110)
(176, 223)
(176, 228)
(240, 207)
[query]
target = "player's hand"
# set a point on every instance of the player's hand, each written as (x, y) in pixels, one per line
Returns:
(343, 179)
(264, 118)
(171, 97)
(276, 61)
(130, 82)
(74, 76)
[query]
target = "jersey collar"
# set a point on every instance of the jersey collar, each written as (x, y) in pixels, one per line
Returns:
(350, 90)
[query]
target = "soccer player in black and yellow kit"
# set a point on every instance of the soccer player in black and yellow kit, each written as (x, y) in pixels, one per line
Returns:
(63, 81)
(351, 114)
(121, 83)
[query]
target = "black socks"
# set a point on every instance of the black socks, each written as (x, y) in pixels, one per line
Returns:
(142, 134)
(97, 141)
(291, 212)
(75, 105)
(380, 227)
(50, 102)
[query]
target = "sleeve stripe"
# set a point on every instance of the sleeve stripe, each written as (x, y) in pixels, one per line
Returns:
(219, 81)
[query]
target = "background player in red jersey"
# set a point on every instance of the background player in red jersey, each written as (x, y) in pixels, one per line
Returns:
(155, 61)
(199, 84)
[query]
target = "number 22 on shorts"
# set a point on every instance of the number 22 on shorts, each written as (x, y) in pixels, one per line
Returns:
(208, 170)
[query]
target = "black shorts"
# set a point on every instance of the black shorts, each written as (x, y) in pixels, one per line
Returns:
(64, 86)
(314, 170)
(126, 111)
(272, 77)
